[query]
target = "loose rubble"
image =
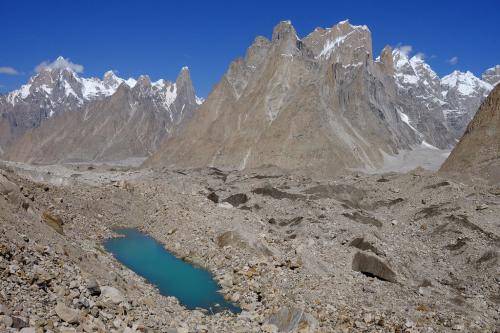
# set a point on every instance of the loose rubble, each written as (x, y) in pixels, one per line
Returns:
(296, 254)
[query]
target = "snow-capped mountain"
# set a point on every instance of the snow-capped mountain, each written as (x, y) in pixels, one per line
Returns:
(464, 93)
(58, 89)
(322, 101)
(492, 75)
(419, 98)
(438, 108)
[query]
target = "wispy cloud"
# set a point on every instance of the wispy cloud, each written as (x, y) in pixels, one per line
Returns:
(452, 60)
(420, 55)
(59, 63)
(8, 71)
(405, 49)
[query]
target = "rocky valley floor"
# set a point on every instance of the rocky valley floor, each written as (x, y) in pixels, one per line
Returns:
(410, 252)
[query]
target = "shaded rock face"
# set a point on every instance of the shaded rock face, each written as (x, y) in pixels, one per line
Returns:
(130, 123)
(478, 152)
(237, 199)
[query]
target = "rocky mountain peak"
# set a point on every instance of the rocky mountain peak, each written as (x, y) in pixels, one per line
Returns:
(257, 52)
(143, 80)
(184, 77)
(132, 117)
(466, 83)
(492, 75)
(184, 87)
(261, 41)
(109, 76)
(387, 60)
(343, 43)
(284, 31)
(61, 64)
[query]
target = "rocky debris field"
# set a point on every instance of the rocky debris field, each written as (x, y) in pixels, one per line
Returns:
(361, 253)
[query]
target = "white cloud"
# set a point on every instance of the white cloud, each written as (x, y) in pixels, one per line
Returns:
(8, 71)
(420, 55)
(405, 49)
(453, 60)
(59, 63)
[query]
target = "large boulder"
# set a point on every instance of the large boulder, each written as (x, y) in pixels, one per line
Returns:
(93, 287)
(54, 221)
(6, 186)
(372, 265)
(289, 319)
(231, 238)
(69, 315)
(113, 295)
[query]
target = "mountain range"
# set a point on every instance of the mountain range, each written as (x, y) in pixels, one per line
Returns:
(322, 103)
(61, 117)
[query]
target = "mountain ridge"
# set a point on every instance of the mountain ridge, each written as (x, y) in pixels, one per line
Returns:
(478, 152)
(128, 122)
(347, 108)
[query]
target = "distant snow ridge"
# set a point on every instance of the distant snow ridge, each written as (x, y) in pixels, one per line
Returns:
(455, 98)
(59, 79)
(492, 75)
(59, 84)
(466, 83)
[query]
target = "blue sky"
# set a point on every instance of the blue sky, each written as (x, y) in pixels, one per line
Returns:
(159, 37)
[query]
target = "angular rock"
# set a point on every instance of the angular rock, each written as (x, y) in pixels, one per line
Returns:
(372, 265)
(54, 221)
(69, 315)
(28, 330)
(6, 186)
(213, 197)
(93, 287)
(230, 238)
(6, 321)
(113, 295)
(292, 319)
(18, 322)
(237, 199)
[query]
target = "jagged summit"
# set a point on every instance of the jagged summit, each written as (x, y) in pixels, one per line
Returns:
(466, 83)
(492, 75)
(60, 64)
(283, 30)
(284, 100)
(320, 103)
(359, 108)
(58, 89)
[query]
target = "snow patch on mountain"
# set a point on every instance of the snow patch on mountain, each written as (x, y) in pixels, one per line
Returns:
(331, 45)
(492, 75)
(465, 83)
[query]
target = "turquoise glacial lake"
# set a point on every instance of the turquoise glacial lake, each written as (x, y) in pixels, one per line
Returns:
(194, 287)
